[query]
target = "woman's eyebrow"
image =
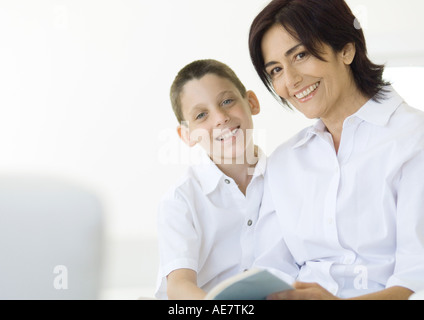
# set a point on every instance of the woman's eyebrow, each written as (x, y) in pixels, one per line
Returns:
(289, 52)
(269, 64)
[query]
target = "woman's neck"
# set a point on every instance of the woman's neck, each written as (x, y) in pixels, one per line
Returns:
(347, 106)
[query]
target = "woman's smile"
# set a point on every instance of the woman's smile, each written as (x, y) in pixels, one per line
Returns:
(307, 93)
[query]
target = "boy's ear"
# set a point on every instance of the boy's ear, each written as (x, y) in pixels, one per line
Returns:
(255, 106)
(184, 133)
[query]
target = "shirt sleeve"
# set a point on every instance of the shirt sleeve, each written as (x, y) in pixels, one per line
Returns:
(179, 243)
(271, 251)
(409, 267)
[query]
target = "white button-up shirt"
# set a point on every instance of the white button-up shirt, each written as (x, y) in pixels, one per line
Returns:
(352, 221)
(206, 224)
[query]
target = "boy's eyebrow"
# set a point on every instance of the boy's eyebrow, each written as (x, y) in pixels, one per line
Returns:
(289, 52)
(196, 108)
(223, 93)
(201, 107)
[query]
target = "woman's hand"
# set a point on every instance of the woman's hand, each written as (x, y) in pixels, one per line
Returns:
(313, 291)
(304, 291)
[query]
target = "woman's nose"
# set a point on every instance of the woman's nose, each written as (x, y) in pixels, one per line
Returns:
(293, 78)
(287, 83)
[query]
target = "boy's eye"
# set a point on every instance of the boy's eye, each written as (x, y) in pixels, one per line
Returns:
(227, 102)
(200, 115)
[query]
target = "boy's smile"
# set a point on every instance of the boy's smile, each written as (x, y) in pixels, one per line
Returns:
(228, 134)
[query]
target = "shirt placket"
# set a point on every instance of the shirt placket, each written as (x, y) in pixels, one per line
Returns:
(332, 235)
(251, 214)
(345, 150)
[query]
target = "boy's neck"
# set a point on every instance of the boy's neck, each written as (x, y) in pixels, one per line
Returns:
(241, 173)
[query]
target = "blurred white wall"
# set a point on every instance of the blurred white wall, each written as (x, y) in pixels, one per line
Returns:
(84, 89)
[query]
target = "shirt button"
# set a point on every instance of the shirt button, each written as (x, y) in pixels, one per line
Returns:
(227, 181)
(249, 223)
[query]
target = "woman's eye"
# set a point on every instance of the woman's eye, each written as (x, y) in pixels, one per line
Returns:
(275, 71)
(301, 55)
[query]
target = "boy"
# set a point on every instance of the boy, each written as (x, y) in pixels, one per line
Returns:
(206, 221)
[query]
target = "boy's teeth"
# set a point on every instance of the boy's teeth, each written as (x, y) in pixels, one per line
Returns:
(228, 135)
(307, 91)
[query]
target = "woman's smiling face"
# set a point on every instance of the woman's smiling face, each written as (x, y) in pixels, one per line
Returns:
(315, 87)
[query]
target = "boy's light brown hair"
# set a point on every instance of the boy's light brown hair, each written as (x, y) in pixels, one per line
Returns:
(195, 71)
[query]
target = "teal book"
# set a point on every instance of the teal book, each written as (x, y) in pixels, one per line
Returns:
(254, 284)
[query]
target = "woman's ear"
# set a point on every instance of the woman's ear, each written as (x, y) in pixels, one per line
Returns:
(348, 53)
(255, 106)
(184, 133)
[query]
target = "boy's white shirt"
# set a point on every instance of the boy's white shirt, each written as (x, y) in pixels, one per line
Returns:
(206, 224)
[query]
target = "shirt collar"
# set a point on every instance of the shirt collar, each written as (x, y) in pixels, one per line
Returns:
(378, 113)
(209, 175)
(261, 164)
(316, 129)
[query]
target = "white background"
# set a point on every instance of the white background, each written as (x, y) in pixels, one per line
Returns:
(84, 96)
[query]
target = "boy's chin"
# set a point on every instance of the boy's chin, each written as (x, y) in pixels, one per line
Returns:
(229, 158)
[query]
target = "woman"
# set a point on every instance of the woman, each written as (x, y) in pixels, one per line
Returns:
(344, 198)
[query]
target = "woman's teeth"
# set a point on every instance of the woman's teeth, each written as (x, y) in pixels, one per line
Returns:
(228, 135)
(308, 91)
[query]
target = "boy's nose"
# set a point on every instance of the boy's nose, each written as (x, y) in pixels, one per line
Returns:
(221, 117)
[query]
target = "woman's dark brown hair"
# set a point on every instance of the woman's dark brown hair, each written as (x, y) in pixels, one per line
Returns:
(314, 22)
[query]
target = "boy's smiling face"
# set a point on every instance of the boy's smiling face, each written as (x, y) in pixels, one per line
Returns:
(218, 117)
